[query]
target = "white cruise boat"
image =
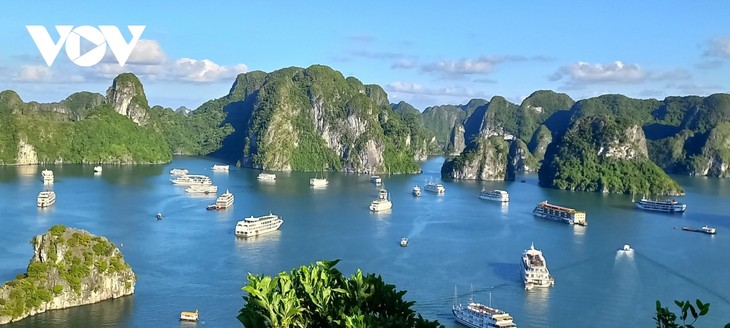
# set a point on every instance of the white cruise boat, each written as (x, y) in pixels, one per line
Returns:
(381, 203)
(223, 201)
(266, 177)
(495, 195)
(220, 168)
(201, 189)
(47, 176)
(177, 172)
(670, 206)
(253, 226)
(376, 180)
(46, 198)
(318, 182)
(476, 315)
(434, 187)
(97, 169)
(534, 269)
(191, 179)
(416, 191)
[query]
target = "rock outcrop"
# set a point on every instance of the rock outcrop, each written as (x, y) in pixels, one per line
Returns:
(26, 153)
(485, 160)
(715, 158)
(605, 154)
(456, 140)
(69, 268)
(519, 159)
(127, 97)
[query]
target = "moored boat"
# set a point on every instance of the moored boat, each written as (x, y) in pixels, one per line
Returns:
(318, 182)
(254, 226)
(179, 172)
(416, 191)
(47, 176)
(706, 229)
(46, 198)
(477, 315)
(432, 186)
(220, 167)
(189, 316)
(534, 269)
(266, 177)
(223, 201)
(201, 189)
(191, 179)
(495, 195)
(568, 215)
(376, 180)
(381, 203)
(667, 205)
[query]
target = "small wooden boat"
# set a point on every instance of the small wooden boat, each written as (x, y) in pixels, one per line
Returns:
(189, 316)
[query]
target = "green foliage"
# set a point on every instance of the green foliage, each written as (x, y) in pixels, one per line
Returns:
(57, 230)
(57, 289)
(668, 319)
(575, 162)
(320, 296)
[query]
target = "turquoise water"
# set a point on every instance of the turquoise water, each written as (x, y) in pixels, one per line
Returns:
(192, 259)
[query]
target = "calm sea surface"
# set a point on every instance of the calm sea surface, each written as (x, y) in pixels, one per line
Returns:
(192, 259)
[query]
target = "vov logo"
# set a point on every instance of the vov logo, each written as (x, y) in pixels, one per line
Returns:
(71, 36)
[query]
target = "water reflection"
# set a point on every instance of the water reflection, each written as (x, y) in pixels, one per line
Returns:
(109, 313)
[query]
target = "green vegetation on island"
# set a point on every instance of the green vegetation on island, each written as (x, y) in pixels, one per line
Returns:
(67, 265)
(319, 295)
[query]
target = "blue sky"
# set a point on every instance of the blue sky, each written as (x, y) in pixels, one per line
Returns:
(423, 52)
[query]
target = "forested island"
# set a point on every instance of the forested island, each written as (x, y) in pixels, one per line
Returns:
(316, 119)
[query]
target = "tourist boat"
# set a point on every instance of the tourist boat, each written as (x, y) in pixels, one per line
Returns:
(159, 215)
(534, 269)
(381, 203)
(97, 169)
(253, 226)
(179, 172)
(46, 198)
(223, 201)
(558, 213)
(191, 179)
(476, 315)
(627, 248)
(266, 177)
(706, 229)
(47, 176)
(220, 168)
(668, 205)
(189, 316)
(416, 191)
(495, 195)
(318, 182)
(376, 180)
(403, 242)
(202, 189)
(434, 187)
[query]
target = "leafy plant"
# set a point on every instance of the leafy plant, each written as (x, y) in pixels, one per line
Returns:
(665, 318)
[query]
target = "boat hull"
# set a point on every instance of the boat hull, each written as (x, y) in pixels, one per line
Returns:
(675, 208)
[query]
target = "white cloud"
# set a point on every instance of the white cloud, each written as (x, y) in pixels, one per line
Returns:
(416, 88)
(405, 87)
(718, 47)
(580, 74)
(33, 73)
(193, 70)
(147, 60)
(464, 67)
(404, 63)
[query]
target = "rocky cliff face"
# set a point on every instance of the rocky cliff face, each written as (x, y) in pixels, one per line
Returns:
(456, 140)
(715, 158)
(315, 119)
(519, 159)
(605, 154)
(127, 97)
(485, 160)
(26, 153)
(69, 268)
(539, 142)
